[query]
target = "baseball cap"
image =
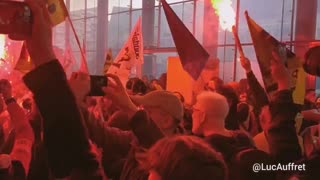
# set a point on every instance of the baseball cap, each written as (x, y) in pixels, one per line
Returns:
(164, 100)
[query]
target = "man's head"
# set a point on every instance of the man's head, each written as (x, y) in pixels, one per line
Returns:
(136, 86)
(311, 61)
(214, 84)
(209, 113)
(184, 158)
(163, 107)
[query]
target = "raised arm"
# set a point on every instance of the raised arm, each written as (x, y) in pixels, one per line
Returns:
(259, 95)
(24, 136)
(281, 131)
(65, 137)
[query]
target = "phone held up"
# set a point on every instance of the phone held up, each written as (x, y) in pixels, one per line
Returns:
(15, 19)
(97, 83)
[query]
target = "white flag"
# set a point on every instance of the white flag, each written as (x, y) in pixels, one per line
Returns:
(130, 55)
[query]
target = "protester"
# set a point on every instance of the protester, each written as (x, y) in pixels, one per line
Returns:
(184, 158)
(68, 148)
(214, 84)
(122, 149)
(141, 131)
(136, 86)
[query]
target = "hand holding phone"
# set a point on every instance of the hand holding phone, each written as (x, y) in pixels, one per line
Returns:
(97, 83)
(15, 19)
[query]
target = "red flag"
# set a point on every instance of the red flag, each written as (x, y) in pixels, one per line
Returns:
(24, 63)
(193, 56)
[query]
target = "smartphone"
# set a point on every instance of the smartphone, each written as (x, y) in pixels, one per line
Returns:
(15, 18)
(97, 82)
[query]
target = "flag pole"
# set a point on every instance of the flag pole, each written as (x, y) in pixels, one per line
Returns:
(78, 42)
(237, 40)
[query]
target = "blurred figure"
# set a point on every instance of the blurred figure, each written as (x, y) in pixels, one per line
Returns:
(209, 114)
(27, 105)
(231, 121)
(154, 85)
(214, 84)
(163, 81)
(185, 158)
(15, 164)
(136, 86)
(187, 115)
(311, 61)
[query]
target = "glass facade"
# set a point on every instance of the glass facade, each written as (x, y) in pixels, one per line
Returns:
(278, 17)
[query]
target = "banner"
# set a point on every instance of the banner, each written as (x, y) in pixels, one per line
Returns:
(57, 11)
(131, 54)
(192, 55)
(24, 63)
(264, 45)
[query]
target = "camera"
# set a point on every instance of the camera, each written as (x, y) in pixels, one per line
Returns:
(97, 83)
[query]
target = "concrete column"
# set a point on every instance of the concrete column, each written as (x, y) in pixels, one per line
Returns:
(306, 23)
(148, 18)
(102, 35)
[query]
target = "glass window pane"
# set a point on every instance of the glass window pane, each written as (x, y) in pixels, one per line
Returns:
(137, 4)
(226, 57)
(79, 27)
(156, 26)
(174, 1)
(59, 35)
(268, 14)
(91, 35)
(199, 20)
(124, 28)
(125, 3)
(161, 63)
(92, 63)
(113, 6)
(187, 15)
(165, 33)
(92, 3)
(76, 5)
(113, 32)
(135, 17)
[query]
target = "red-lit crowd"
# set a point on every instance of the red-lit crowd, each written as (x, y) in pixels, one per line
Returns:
(140, 131)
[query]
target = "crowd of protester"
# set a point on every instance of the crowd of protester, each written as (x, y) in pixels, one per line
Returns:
(140, 131)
